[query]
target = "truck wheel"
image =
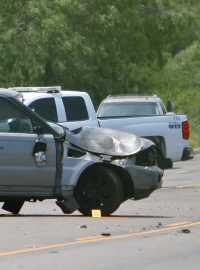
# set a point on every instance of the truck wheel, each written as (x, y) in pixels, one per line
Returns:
(99, 188)
(163, 163)
(160, 160)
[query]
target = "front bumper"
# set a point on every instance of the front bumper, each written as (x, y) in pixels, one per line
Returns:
(145, 180)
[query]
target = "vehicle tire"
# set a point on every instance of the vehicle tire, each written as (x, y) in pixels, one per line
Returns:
(160, 160)
(99, 188)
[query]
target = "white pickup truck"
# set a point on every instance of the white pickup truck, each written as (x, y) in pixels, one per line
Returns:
(147, 116)
(74, 109)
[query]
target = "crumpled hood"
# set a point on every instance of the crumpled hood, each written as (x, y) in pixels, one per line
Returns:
(106, 141)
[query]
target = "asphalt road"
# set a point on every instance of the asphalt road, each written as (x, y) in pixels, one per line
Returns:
(160, 232)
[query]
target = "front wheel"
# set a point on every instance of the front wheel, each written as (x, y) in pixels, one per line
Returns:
(99, 188)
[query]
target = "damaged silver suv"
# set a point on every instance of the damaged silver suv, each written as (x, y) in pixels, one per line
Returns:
(90, 168)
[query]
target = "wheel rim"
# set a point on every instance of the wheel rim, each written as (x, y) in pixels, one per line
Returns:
(95, 193)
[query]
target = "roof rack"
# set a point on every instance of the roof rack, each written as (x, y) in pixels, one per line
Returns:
(45, 89)
(132, 95)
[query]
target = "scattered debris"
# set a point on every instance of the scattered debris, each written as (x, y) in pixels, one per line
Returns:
(83, 227)
(159, 225)
(185, 231)
(106, 234)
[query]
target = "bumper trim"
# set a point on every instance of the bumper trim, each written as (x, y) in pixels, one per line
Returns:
(145, 180)
(186, 153)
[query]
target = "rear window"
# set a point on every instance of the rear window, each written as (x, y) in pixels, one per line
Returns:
(75, 108)
(123, 109)
(46, 108)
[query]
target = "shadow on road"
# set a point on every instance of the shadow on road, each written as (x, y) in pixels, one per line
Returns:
(80, 216)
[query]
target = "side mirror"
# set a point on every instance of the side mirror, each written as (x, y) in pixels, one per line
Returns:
(13, 124)
(170, 106)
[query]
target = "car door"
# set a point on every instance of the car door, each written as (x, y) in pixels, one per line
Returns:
(18, 166)
(76, 112)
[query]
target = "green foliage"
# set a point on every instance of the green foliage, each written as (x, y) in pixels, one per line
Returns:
(185, 102)
(183, 70)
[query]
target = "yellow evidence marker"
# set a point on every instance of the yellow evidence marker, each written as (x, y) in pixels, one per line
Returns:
(96, 213)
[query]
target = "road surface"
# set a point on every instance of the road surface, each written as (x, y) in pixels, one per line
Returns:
(160, 232)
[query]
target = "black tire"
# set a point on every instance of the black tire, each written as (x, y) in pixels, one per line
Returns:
(163, 163)
(160, 161)
(99, 188)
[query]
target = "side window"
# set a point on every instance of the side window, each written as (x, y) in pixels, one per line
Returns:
(162, 108)
(75, 108)
(46, 108)
(12, 119)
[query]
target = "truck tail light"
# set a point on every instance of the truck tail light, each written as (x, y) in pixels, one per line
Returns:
(186, 130)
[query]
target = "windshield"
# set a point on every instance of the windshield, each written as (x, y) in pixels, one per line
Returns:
(123, 109)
